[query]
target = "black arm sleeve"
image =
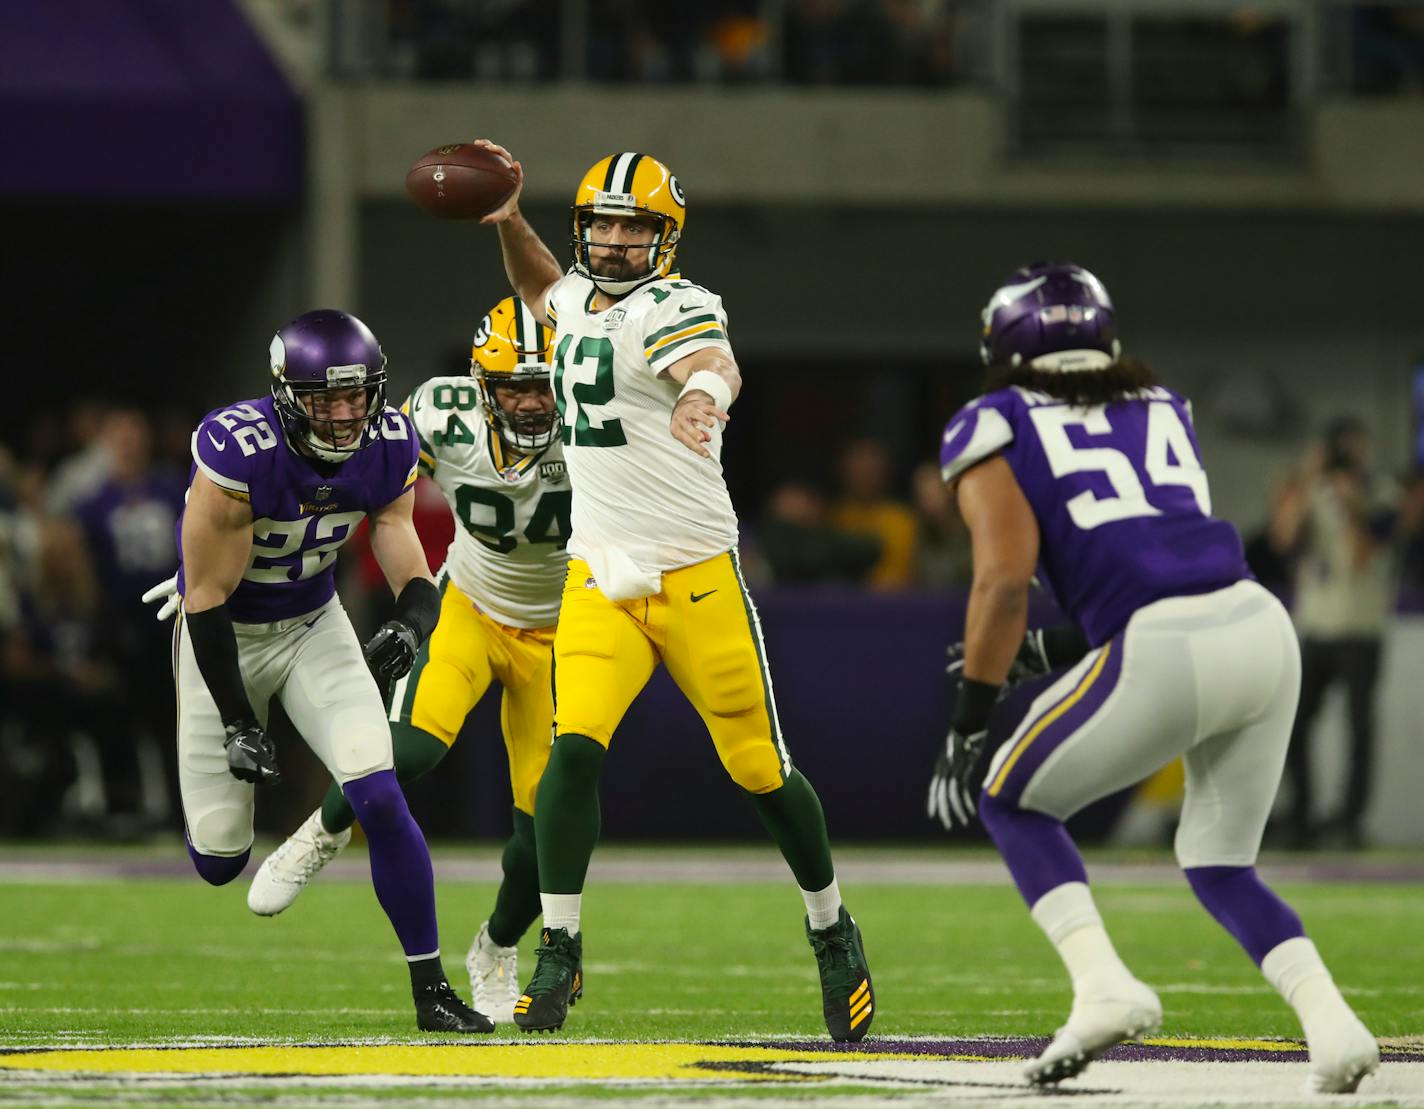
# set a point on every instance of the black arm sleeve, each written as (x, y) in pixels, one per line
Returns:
(215, 648)
(419, 606)
(1064, 645)
(973, 704)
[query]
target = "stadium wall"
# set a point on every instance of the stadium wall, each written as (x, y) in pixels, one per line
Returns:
(864, 703)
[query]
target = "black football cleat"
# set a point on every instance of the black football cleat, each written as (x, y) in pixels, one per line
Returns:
(557, 983)
(438, 1008)
(847, 996)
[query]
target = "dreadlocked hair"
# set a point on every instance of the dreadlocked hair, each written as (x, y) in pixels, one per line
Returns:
(1123, 380)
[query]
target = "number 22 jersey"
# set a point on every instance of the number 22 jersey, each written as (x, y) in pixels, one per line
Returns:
(1119, 493)
(303, 510)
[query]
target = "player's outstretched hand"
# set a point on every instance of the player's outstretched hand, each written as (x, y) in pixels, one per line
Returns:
(167, 592)
(391, 652)
(694, 419)
(510, 206)
(1030, 662)
(251, 756)
(955, 782)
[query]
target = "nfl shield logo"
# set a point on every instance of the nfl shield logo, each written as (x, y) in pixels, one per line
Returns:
(323, 491)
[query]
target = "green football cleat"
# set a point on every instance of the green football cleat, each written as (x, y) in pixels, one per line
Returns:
(847, 996)
(557, 983)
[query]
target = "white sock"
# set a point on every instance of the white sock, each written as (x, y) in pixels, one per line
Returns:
(823, 907)
(561, 910)
(1069, 918)
(1300, 976)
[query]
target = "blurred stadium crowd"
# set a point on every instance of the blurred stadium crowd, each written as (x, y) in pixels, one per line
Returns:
(89, 505)
(925, 43)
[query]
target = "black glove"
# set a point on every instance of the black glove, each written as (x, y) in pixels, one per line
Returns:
(391, 653)
(251, 756)
(1031, 661)
(957, 780)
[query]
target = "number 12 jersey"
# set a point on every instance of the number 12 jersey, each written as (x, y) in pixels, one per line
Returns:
(636, 488)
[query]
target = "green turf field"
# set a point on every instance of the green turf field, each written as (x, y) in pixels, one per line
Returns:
(112, 961)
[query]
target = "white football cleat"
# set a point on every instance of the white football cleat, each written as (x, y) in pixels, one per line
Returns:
(494, 977)
(1341, 1056)
(285, 873)
(1103, 1014)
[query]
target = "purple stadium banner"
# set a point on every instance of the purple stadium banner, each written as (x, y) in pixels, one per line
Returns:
(143, 100)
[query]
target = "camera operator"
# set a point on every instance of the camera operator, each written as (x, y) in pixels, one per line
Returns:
(1336, 522)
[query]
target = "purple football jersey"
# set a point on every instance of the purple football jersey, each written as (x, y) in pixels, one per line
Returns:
(1121, 499)
(302, 510)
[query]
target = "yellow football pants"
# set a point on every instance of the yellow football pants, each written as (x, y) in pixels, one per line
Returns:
(455, 666)
(703, 627)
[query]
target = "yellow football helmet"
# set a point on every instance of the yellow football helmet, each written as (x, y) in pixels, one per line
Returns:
(510, 348)
(629, 184)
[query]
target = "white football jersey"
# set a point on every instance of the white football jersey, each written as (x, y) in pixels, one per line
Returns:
(637, 489)
(511, 517)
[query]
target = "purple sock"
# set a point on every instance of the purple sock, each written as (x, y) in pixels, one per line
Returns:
(1035, 847)
(400, 861)
(1245, 906)
(217, 870)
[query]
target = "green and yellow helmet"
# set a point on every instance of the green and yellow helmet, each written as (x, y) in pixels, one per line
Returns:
(629, 184)
(510, 348)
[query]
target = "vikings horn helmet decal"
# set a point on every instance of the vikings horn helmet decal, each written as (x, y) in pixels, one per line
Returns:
(1053, 316)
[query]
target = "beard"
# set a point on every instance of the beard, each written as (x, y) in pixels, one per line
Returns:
(616, 266)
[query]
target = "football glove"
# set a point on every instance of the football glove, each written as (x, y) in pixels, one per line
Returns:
(390, 653)
(956, 781)
(167, 592)
(251, 756)
(1030, 662)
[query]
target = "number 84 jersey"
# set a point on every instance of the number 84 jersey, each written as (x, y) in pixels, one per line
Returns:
(511, 511)
(1119, 493)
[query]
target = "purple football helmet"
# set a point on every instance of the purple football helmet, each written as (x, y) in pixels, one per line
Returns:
(319, 354)
(1051, 316)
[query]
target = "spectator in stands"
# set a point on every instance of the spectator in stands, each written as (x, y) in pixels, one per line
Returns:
(801, 546)
(129, 523)
(85, 464)
(866, 508)
(1411, 531)
(943, 544)
(1388, 41)
(69, 704)
(1336, 520)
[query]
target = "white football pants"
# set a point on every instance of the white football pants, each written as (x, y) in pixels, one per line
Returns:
(314, 664)
(1212, 678)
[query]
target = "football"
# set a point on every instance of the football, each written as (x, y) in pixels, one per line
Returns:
(460, 181)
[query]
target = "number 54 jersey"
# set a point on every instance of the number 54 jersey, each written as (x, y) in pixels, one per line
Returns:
(1119, 493)
(511, 512)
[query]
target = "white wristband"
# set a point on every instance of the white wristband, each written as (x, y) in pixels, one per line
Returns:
(711, 383)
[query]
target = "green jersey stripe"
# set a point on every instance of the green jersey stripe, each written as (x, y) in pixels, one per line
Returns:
(662, 354)
(681, 325)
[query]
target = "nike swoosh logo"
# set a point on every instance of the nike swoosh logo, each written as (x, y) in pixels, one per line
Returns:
(216, 445)
(702, 596)
(691, 307)
(312, 622)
